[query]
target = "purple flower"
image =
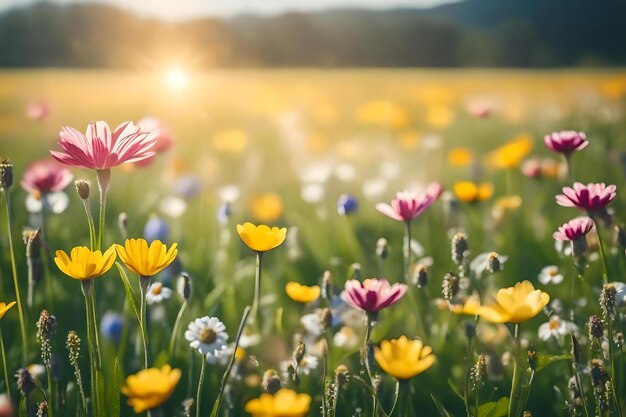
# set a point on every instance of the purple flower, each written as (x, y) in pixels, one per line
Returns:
(372, 295)
(408, 205)
(566, 141)
(347, 204)
(156, 229)
(574, 229)
(111, 326)
(590, 197)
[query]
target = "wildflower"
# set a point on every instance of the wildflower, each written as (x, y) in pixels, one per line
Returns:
(156, 229)
(102, 149)
(46, 176)
(266, 207)
(407, 205)
(56, 202)
(37, 110)
(232, 141)
(372, 295)
(145, 260)
(556, 328)
(566, 141)
(550, 274)
(607, 301)
(111, 326)
(450, 286)
(302, 293)
(505, 204)
(478, 374)
(469, 307)
(574, 229)
(460, 157)
(511, 154)
(46, 328)
(403, 358)
(591, 197)
(4, 307)
(207, 335)
(347, 204)
(313, 323)
(471, 192)
(223, 212)
(459, 248)
(164, 140)
(157, 293)
(84, 264)
(596, 327)
(261, 238)
(515, 304)
(284, 403)
(306, 364)
(531, 168)
(149, 388)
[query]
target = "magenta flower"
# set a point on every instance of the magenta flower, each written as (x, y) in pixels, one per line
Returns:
(102, 149)
(165, 138)
(574, 229)
(372, 295)
(590, 197)
(408, 205)
(46, 176)
(566, 141)
(37, 110)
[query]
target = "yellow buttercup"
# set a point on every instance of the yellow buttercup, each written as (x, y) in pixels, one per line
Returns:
(84, 264)
(515, 304)
(4, 307)
(403, 358)
(261, 238)
(302, 293)
(145, 260)
(151, 387)
(471, 192)
(285, 403)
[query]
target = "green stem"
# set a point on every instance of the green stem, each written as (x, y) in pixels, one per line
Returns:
(144, 282)
(91, 224)
(218, 400)
(81, 389)
(200, 384)
(468, 367)
(570, 170)
(579, 382)
(605, 271)
(395, 398)
(371, 318)
(257, 287)
(15, 281)
(175, 331)
(104, 179)
(51, 397)
(517, 376)
(407, 252)
(613, 372)
(87, 292)
(4, 366)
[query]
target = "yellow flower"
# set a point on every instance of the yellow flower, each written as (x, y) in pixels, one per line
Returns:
(439, 116)
(470, 307)
(261, 238)
(383, 113)
(285, 403)
(460, 157)
(515, 304)
(150, 387)
(403, 358)
(302, 293)
(470, 192)
(504, 204)
(83, 264)
(510, 154)
(232, 141)
(266, 207)
(4, 307)
(143, 260)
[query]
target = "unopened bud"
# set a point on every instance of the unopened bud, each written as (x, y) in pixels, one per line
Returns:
(25, 382)
(382, 248)
(470, 329)
(575, 349)
(326, 318)
(6, 174)
(298, 353)
(271, 382)
(420, 275)
(82, 188)
(493, 262)
(579, 247)
(183, 286)
(122, 223)
(327, 285)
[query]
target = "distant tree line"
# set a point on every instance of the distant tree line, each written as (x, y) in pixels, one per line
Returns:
(506, 33)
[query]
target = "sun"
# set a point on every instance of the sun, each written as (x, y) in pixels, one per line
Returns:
(176, 79)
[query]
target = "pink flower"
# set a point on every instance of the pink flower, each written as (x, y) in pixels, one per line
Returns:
(588, 197)
(566, 141)
(37, 110)
(531, 168)
(372, 295)
(574, 229)
(408, 205)
(46, 176)
(100, 149)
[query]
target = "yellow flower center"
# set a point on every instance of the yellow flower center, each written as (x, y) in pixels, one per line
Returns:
(208, 336)
(156, 288)
(554, 324)
(553, 272)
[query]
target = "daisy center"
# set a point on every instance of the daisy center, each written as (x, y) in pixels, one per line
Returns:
(553, 272)
(554, 324)
(156, 289)
(207, 336)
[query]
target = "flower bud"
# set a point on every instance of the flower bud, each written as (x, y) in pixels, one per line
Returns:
(183, 286)
(493, 262)
(460, 248)
(533, 360)
(420, 275)
(579, 247)
(122, 223)
(6, 174)
(83, 189)
(596, 327)
(382, 248)
(271, 382)
(326, 318)
(42, 409)
(575, 349)
(607, 301)
(470, 329)
(327, 285)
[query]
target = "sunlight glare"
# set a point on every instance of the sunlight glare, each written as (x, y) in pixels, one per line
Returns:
(176, 79)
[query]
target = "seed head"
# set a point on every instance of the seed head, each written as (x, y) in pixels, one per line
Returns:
(6, 174)
(46, 328)
(478, 374)
(73, 346)
(25, 382)
(607, 301)
(460, 248)
(596, 327)
(450, 286)
(42, 409)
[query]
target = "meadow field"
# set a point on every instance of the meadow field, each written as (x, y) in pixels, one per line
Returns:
(315, 152)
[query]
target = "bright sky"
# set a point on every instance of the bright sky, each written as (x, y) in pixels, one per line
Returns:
(184, 9)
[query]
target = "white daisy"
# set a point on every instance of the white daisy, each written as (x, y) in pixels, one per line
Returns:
(36, 370)
(56, 202)
(307, 364)
(208, 335)
(313, 323)
(550, 275)
(249, 338)
(157, 293)
(556, 328)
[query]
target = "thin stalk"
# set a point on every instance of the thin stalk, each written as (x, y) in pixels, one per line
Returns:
(568, 165)
(175, 331)
(395, 398)
(468, 367)
(517, 376)
(613, 371)
(87, 287)
(4, 366)
(104, 179)
(407, 252)
(365, 359)
(257, 287)
(51, 396)
(218, 400)
(81, 389)
(90, 223)
(15, 281)
(200, 384)
(144, 282)
(96, 336)
(605, 271)
(579, 382)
